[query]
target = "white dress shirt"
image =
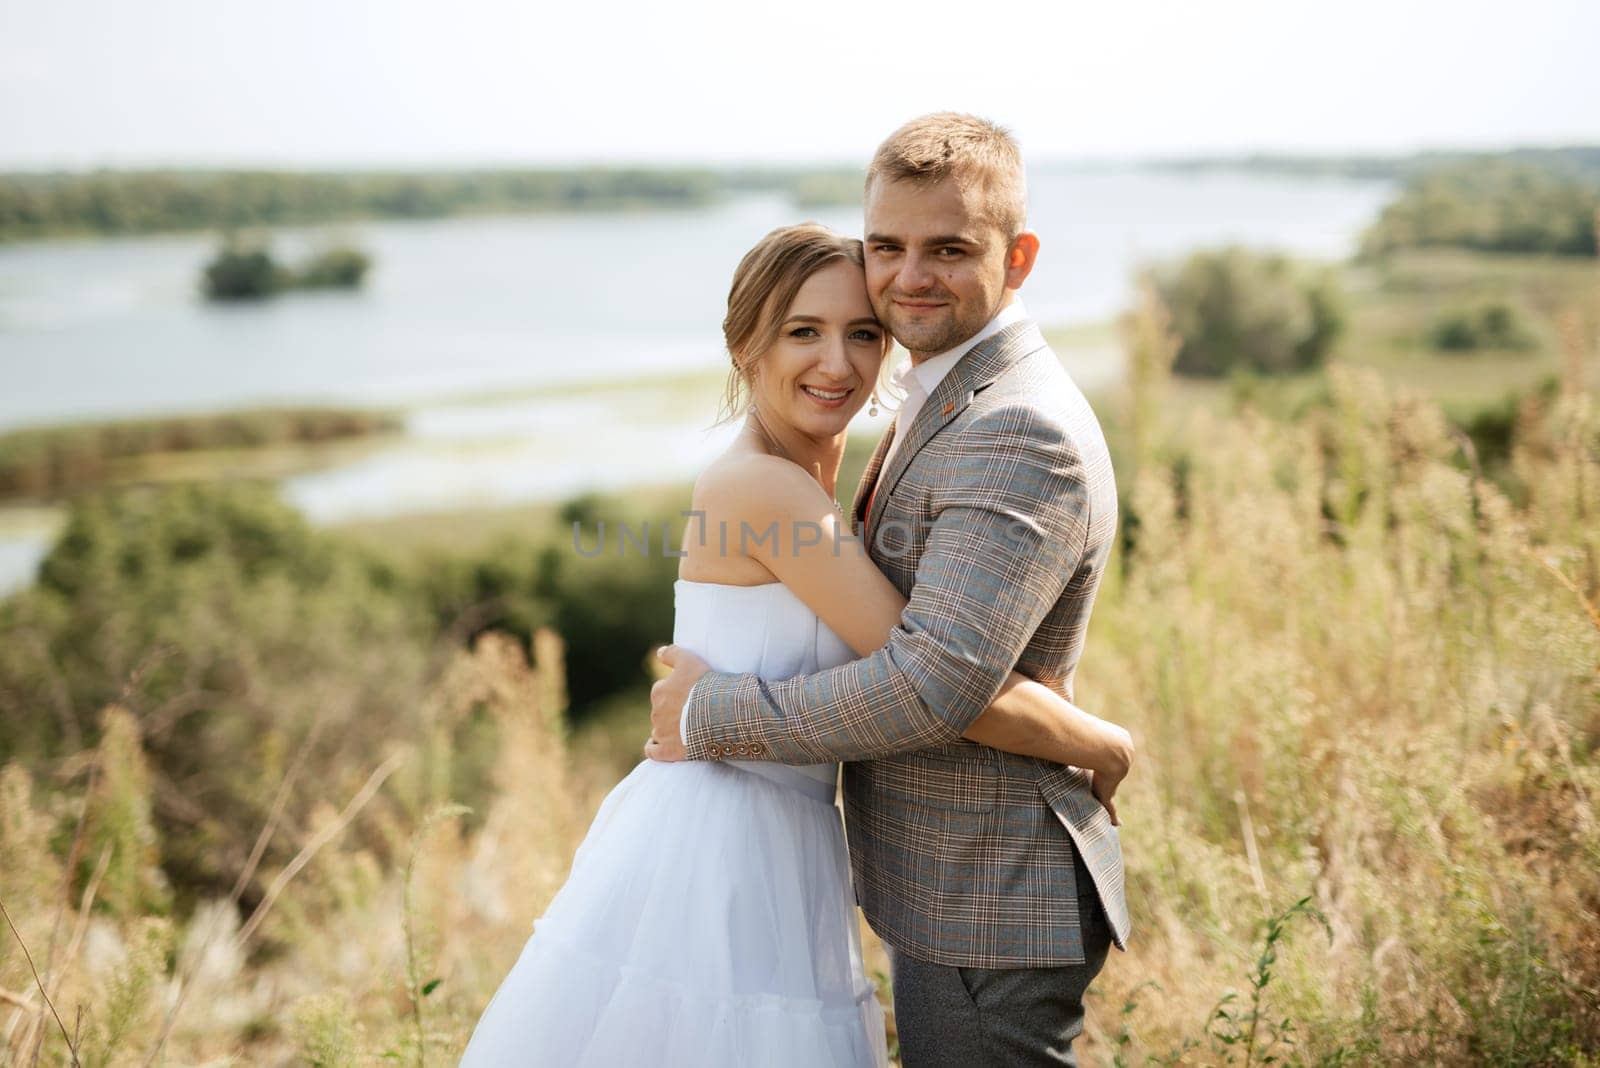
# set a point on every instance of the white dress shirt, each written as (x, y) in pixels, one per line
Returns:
(919, 380)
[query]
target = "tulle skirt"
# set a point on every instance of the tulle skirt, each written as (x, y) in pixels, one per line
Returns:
(708, 921)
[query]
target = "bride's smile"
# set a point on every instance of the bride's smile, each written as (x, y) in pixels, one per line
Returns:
(815, 376)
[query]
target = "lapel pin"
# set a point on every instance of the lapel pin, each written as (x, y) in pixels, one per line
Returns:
(948, 408)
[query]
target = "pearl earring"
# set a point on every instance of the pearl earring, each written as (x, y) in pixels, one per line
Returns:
(873, 411)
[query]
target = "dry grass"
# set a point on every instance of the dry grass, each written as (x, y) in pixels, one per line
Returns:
(347, 960)
(1361, 676)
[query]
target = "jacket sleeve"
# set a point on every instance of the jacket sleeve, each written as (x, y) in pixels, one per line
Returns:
(1010, 523)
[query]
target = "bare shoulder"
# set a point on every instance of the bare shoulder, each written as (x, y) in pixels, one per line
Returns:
(743, 514)
(755, 486)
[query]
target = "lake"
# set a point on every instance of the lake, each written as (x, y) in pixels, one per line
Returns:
(509, 340)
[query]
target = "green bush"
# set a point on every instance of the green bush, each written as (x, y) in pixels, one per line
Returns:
(1492, 426)
(611, 612)
(611, 606)
(247, 271)
(1492, 325)
(235, 635)
(1238, 310)
(240, 272)
(334, 268)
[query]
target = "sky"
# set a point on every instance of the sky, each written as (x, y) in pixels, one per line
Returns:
(338, 83)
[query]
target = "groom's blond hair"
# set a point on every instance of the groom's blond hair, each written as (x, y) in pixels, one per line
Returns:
(973, 151)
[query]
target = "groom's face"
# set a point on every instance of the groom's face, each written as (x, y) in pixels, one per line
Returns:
(936, 262)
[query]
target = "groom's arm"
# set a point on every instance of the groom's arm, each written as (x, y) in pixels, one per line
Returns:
(1010, 525)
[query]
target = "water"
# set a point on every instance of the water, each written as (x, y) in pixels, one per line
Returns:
(117, 327)
(515, 305)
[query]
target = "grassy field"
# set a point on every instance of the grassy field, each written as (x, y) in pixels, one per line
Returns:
(1390, 307)
(1363, 672)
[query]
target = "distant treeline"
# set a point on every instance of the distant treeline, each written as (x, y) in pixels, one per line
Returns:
(810, 187)
(1575, 161)
(127, 202)
(130, 202)
(1528, 200)
(1500, 205)
(45, 463)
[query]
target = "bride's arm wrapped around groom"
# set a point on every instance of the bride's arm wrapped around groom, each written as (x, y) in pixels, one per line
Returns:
(831, 573)
(1006, 534)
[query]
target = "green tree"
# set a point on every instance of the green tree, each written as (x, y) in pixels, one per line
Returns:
(1492, 206)
(1234, 308)
(340, 267)
(243, 272)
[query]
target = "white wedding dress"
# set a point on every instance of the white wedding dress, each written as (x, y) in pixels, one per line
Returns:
(708, 919)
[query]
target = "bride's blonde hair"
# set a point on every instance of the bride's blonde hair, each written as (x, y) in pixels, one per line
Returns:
(764, 285)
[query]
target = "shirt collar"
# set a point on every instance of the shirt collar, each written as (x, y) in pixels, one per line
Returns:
(931, 372)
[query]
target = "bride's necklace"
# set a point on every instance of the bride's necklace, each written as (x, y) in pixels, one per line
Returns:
(772, 443)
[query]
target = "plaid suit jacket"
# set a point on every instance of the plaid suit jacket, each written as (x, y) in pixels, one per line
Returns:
(995, 519)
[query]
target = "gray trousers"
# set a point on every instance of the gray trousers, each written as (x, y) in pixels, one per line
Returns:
(950, 1017)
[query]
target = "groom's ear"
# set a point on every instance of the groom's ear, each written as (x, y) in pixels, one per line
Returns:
(1020, 258)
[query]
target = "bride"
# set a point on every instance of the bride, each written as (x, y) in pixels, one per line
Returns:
(708, 919)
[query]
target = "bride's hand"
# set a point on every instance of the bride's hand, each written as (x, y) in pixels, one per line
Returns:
(1104, 787)
(667, 698)
(1104, 781)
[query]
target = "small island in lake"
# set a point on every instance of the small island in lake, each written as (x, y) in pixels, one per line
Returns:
(242, 271)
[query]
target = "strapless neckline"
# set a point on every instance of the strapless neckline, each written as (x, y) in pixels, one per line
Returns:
(730, 585)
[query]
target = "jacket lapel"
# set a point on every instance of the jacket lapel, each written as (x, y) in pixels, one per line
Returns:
(949, 399)
(869, 478)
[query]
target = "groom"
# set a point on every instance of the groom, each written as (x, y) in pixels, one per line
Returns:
(994, 880)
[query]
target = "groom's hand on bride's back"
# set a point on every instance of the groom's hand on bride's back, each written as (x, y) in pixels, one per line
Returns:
(668, 696)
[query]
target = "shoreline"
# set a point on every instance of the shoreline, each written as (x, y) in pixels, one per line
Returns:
(441, 425)
(478, 454)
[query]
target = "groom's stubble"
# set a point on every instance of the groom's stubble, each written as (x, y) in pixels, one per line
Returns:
(936, 262)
